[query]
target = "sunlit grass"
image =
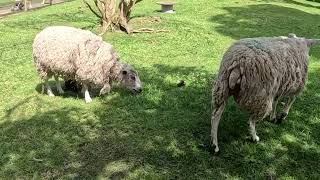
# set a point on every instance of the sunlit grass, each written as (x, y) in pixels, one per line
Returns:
(164, 132)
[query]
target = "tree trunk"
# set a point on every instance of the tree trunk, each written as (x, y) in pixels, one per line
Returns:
(114, 14)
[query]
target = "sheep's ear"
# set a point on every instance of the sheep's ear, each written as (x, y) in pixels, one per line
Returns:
(291, 35)
(124, 72)
(311, 42)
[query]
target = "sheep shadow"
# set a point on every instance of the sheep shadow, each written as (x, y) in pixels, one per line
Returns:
(68, 93)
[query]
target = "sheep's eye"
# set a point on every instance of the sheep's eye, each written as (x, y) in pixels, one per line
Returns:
(133, 78)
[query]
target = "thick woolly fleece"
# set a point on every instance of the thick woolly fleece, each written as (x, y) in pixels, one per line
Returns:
(257, 72)
(74, 54)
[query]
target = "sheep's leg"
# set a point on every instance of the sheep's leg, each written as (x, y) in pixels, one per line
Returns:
(105, 89)
(58, 84)
(215, 119)
(252, 128)
(87, 97)
(274, 110)
(43, 1)
(49, 90)
(289, 104)
(282, 116)
(269, 107)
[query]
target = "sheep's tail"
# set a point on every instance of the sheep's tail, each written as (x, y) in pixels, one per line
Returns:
(312, 42)
(219, 92)
(227, 81)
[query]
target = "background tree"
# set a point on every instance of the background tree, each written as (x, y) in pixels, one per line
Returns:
(114, 14)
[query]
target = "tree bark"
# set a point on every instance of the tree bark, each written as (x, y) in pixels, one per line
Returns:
(113, 14)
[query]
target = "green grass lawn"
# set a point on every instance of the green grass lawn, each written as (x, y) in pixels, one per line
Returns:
(164, 133)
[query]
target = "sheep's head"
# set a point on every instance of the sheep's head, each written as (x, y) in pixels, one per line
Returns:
(130, 79)
(310, 42)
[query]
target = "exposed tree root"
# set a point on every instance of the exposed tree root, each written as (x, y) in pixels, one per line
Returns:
(149, 30)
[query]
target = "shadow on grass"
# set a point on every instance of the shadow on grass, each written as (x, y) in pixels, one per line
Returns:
(267, 20)
(132, 132)
(303, 4)
(306, 4)
(67, 93)
(162, 133)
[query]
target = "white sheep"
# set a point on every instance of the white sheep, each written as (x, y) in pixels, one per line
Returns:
(257, 72)
(82, 56)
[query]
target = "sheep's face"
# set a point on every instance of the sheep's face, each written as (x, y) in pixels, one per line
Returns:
(131, 80)
(304, 41)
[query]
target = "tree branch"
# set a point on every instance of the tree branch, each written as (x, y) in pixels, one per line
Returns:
(91, 9)
(97, 5)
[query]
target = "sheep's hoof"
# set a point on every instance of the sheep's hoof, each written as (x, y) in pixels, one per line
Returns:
(256, 139)
(216, 151)
(253, 139)
(89, 101)
(280, 117)
(51, 94)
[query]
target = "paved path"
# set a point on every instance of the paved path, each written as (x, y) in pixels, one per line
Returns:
(6, 10)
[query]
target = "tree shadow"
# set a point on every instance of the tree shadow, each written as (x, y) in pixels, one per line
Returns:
(266, 20)
(306, 4)
(133, 131)
(164, 132)
(168, 136)
(129, 136)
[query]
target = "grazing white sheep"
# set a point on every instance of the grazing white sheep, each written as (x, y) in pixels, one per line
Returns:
(257, 72)
(82, 56)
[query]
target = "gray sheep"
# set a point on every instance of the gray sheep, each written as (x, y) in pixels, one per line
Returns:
(82, 56)
(257, 72)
